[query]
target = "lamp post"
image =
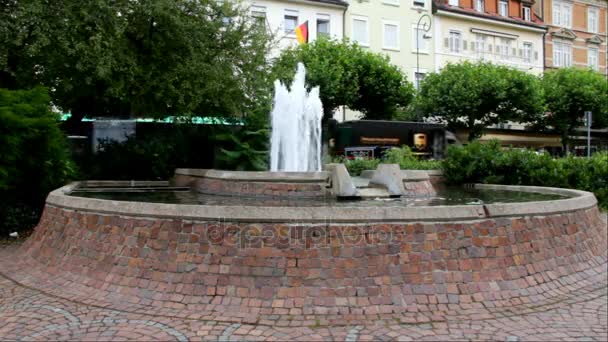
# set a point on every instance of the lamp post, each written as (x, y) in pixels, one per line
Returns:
(426, 27)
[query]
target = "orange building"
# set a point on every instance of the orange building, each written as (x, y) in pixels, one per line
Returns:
(517, 10)
(577, 33)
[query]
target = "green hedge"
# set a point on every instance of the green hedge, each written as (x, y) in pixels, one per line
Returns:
(33, 157)
(489, 163)
(403, 156)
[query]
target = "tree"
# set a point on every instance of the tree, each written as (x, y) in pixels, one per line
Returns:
(34, 158)
(127, 58)
(569, 92)
(348, 76)
(474, 96)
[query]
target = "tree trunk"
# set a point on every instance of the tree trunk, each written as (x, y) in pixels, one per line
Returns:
(566, 142)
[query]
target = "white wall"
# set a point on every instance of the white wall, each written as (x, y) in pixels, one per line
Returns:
(306, 11)
(494, 30)
(404, 13)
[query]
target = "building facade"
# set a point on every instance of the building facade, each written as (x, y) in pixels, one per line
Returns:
(577, 33)
(281, 17)
(400, 29)
(506, 32)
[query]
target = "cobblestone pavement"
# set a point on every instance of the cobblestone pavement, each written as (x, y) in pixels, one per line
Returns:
(27, 313)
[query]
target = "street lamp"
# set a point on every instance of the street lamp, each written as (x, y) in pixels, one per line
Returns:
(426, 27)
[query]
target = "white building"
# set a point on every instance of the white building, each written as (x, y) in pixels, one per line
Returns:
(508, 34)
(393, 28)
(281, 17)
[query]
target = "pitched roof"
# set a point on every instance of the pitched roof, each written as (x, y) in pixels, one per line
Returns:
(332, 2)
(444, 6)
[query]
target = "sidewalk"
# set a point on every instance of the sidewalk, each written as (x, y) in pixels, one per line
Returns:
(27, 313)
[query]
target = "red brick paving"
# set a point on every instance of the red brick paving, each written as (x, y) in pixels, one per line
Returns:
(31, 314)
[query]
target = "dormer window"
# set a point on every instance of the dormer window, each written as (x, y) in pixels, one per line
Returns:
(453, 2)
(527, 14)
(479, 5)
(503, 8)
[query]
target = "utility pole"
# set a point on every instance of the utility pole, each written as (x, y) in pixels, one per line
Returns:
(426, 27)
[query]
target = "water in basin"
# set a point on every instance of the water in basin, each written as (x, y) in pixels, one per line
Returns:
(445, 196)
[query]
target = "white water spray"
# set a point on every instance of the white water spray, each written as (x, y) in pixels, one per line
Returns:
(296, 126)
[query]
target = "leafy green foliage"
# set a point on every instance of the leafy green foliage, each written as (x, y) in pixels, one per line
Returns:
(569, 92)
(474, 96)
(246, 150)
(407, 160)
(489, 163)
(348, 75)
(356, 166)
(124, 58)
(403, 156)
(33, 156)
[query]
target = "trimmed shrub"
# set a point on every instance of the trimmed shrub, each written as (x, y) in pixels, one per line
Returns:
(33, 157)
(407, 160)
(356, 166)
(403, 156)
(489, 163)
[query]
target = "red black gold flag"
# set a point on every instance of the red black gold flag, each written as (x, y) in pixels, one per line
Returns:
(302, 33)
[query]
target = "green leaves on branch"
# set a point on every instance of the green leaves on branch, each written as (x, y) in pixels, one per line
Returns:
(475, 96)
(569, 92)
(348, 76)
(33, 156)
(489, 163)
(121, 58)
(248, 150)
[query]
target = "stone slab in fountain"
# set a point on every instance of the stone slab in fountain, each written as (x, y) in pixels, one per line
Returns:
(342, 184)
(389, 176)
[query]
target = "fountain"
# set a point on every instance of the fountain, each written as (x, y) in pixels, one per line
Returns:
(296, 126)
(259, 247)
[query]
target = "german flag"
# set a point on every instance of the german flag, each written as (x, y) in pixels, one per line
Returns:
(302, 33)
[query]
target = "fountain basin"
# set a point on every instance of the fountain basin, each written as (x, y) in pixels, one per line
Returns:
(258, 262)
(236, 183)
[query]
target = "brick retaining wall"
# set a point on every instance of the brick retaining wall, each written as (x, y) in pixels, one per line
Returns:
(232, 187)
(305, 269)
(248, 188)
(422, 188)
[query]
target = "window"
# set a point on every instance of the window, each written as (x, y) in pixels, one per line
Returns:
(453, 3)
(527, 53)
(480, 44)
(592, 58)
(418, 35)
(291, 22)
(258, 13)
(527, 14)
(592, 15)
(419, 3)
(562, 14)
(418, 78)
(503, 8)
(562, 54)
(503, 48)
(360, 31)
(479, 5)
(391, 35)
(323, 27)
(455, 41)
